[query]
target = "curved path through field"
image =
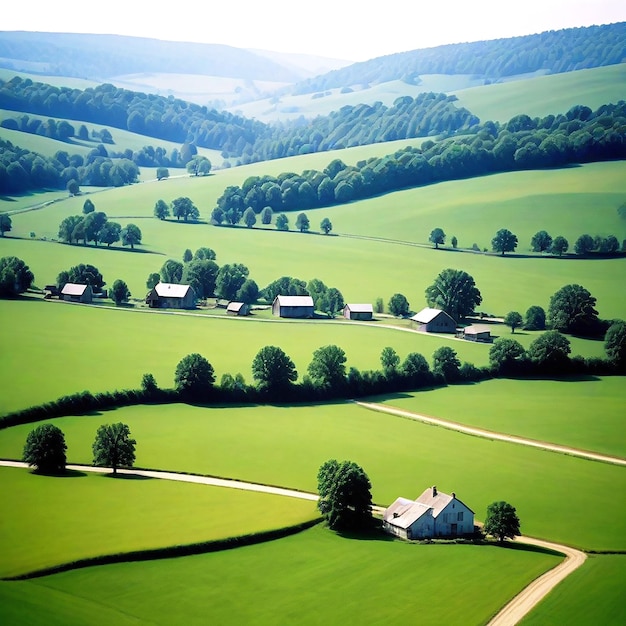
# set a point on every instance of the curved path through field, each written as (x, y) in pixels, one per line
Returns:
(489, 434)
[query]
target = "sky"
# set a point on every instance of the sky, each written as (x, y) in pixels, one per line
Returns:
(343, 29)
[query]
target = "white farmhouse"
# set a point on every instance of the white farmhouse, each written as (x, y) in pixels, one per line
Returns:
(433, 514)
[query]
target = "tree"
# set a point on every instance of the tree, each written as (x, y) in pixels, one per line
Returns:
(113, 446)
(249, 217)
(615, 343)
(230, 279)
(187, 255)
(67, 228)
(273, 369)
(550, 350)
(541, 241)
(282, 222)
(504, 241)
(572, 310)
(398, 305)
(162, 172)
(110, 233)
(72, 186)
(302, 223)
(153, 280)
(328, 368)
(438, 237)
(199, 165)
(88, 207)
(248, 292)
(390, 360)
(194, 376)
(326, 226)
(455, 292)
(379, 306)
(5, 224)
(93, 224)
(15, 276)
(454, 241)
(205, 253)
(149, 383)
(82, 274)
(584, 245)
(119, 292)
(559, 246)
(446, 363)
(513, 319)
(415, 367)
(345, 499)
(161, 209)
(201, 274)
(172, 271)
(45, 449)
(504, 354)
(535, 318)
(131, 236)
(502, 521)
(185, 208)
(266, 215)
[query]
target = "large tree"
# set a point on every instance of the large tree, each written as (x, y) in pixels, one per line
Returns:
(93, 224)
(328, 368)
(615, 343)
(119, 292)
(541, 241)
(185, 208)
(326, 226)
(172, 271)
(248, 292)
(505, 354)
(438, 237)
(345, 498)
(502, 521)
(398, 305)
(389, 360)
(550, 350)
(504, 241)
(82, 274)
(45, 449)
(161, 209)
(230, 279)
(110, 233)
(446, 363)
(194, 375)
(15, 276)
(131, 235)
(201, 274)
(113, 446)
(455, 292)
(559, 246)
(302, 223)
(572, 310)
(273, 370)
(415, 367)
(535, 318)
(249, 217)
(513, 319)
(67, 228)
(584, 245)
(282, 222)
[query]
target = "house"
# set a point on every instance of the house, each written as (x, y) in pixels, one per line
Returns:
(358, 311)
(237, 308)
(434, 321)
(171, 296)
(433, 514)
(477, 332)
(73, 292)
(292, 306)
(50, 291)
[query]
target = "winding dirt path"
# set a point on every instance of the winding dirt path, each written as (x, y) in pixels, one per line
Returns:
(489, 434)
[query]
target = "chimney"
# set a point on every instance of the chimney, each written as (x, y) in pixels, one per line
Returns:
(453, 495)
(434, 491)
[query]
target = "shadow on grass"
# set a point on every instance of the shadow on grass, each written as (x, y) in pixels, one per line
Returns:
(523, 547)
(125, 476)
(374, 534)
(68, 473)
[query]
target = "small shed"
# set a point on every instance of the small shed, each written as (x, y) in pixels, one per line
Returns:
(171, 296)
(358, 311)
(73, 292)
(477, 332)
(434, 321)
(293, 306)
(50, 291)
(237, 308)
(433, 514)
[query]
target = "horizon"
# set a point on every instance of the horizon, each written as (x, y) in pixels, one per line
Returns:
(347, 35)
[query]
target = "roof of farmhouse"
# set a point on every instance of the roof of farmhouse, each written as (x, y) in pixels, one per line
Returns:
(426, 315)
(476, 329)
(294, 300)
(361, 308)
(170, 290)
(73, 289)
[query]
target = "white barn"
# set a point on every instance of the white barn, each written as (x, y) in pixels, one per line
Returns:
(434, 321)
(293, 306)
(433, 514)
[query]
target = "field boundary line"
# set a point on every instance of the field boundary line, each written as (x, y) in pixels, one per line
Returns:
(489, 434)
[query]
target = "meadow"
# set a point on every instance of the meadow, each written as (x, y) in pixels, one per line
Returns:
(307, 578)
(586, 414)
(401, 457)
(115, 515)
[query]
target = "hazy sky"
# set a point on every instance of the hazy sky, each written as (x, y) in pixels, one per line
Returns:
(345, 29)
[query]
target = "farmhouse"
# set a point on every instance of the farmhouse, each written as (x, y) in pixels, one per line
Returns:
(237, 308)
(358, 311)
(476, 332)
(292, 306)
(434, 321)
(77, 293)
(171, 296)
(433, 514)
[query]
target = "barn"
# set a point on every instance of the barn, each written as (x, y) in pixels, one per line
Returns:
(433, 514)
(293, 306)
(77, 293)
(358, 312)
(434, 321)
(237, 308)
(477, 332)
(171, 296)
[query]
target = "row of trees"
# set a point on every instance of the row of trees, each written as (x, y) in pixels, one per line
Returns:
(95, 226)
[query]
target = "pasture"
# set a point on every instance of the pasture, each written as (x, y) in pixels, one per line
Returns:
(401, 457)
(82, 515)
(586, 414)
(310, 578)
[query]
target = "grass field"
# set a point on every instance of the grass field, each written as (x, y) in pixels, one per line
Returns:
(311, 578)
(285, 446)
(59, 520)
(582, 414)
(593, 594)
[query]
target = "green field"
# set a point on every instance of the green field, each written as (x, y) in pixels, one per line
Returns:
(315, 577)
(401, 457)
(87, 515)
(582, 414)
(592, 595)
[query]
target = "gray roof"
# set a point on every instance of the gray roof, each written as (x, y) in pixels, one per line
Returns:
(477, 329)
(171, 290)
(360, 308)
(72, 289)
(294, 300)
(427, 315)
(235, 306)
